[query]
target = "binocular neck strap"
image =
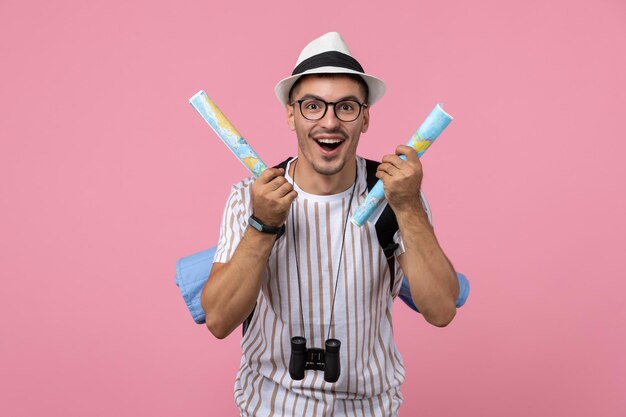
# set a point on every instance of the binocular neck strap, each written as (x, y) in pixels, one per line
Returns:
(295, 249)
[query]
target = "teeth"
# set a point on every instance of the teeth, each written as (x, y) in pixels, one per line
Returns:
(329, 141)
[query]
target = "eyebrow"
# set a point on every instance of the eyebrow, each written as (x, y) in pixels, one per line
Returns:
(313, 96)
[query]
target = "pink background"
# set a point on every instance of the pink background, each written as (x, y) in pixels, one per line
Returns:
(108, 176)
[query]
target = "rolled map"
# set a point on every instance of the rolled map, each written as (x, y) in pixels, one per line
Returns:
(421, 140)
(227, 132)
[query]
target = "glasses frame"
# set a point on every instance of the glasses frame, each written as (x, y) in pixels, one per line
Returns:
(326, 104)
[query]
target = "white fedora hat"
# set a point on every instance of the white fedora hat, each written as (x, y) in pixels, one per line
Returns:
(328, 54)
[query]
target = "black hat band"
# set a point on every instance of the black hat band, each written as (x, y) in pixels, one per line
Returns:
(328, 59)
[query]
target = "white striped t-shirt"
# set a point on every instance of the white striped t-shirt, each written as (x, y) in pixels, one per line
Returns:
(371, 366)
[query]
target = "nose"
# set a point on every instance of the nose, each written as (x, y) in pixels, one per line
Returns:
(330, 119)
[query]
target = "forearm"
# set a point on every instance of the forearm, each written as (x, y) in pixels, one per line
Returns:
(434, 287)
(231, 292)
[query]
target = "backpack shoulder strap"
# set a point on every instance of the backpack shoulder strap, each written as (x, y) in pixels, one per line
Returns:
(283, 164)
(387, 224)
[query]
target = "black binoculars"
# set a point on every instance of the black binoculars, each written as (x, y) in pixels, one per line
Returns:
(326, 360)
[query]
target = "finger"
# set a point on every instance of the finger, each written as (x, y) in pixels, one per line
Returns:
(292, 195)
(393, 160)
(388, 168)
(407, 151)
(276, 183)
(282, 190)
(269, 174)
(382, 175)
(288, 198)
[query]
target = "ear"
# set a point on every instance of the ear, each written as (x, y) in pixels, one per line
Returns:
(290, 117)
(366, 119)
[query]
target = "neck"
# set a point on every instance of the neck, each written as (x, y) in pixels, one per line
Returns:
(312, 182)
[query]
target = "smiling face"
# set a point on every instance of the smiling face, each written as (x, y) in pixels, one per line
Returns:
(327, 147)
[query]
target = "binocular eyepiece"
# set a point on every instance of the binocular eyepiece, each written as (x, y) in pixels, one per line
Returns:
(326, 360)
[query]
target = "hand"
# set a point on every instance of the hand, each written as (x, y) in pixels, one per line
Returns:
(271, 197)
(401, 179)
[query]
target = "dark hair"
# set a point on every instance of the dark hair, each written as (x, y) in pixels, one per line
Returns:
(357, 78)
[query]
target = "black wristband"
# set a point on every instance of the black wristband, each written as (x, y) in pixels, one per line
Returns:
(258, 225)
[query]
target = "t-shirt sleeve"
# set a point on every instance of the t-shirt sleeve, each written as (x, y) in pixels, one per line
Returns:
(234, 223)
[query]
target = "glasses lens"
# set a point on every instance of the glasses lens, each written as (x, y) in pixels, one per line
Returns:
(313, 109)
(347, 110)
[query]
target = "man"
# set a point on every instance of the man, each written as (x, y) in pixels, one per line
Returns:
(289, 254)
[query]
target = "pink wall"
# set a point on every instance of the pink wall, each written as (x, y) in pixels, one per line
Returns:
(107, 177)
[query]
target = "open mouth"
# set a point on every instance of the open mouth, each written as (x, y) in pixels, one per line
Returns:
(329, 144)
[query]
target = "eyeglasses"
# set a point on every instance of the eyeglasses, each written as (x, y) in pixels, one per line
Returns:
(315, 109)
